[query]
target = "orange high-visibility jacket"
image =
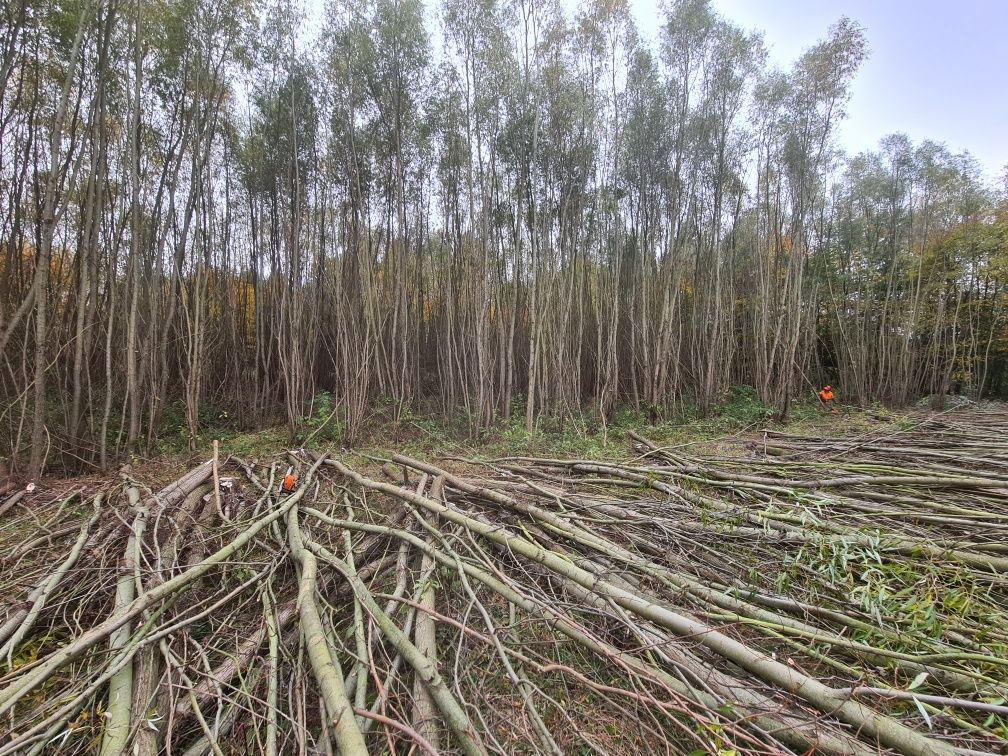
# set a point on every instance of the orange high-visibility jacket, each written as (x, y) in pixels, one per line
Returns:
(826, 395)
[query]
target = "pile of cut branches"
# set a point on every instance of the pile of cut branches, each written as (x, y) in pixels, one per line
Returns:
(821, 595)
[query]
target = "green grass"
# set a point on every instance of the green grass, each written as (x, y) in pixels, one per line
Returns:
(389, 427)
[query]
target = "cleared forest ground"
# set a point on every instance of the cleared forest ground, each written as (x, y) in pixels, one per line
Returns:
(777, 593)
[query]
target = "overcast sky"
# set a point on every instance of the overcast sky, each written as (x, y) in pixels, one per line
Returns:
(937, 69)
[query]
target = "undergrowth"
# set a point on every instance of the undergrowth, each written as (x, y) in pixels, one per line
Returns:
(580, 434)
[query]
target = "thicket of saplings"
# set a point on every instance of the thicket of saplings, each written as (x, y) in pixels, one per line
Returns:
(215, 204)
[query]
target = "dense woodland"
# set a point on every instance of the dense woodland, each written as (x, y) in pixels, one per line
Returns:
(488, 208)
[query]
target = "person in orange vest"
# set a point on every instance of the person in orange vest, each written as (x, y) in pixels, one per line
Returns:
(826, 397)
(287, 484)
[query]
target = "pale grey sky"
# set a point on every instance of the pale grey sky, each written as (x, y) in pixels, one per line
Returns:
(937, 69)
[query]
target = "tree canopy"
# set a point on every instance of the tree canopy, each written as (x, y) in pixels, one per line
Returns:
(483, 206)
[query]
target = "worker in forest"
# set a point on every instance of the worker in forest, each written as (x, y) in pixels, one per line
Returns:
(826, 397)
(287, 484)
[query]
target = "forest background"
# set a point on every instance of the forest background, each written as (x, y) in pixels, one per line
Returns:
(209, 215)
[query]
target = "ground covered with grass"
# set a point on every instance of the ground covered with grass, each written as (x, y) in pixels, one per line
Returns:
(386, 425)
(705, 585)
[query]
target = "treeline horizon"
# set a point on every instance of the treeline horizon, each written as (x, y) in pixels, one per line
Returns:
(544, 215)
